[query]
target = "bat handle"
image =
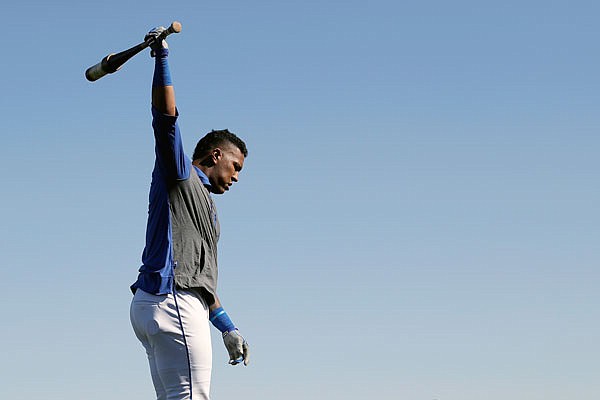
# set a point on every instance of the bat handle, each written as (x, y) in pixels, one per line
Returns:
(175, 27)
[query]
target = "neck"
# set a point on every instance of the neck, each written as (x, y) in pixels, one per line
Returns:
(199, 164)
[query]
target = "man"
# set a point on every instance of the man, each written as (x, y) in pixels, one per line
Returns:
(175, 293)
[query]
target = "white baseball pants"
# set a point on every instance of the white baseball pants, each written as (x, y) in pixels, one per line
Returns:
(175, 331)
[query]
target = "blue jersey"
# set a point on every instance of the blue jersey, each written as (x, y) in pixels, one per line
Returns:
(171, 165)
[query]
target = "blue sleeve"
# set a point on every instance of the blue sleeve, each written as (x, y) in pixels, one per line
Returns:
(170, 157)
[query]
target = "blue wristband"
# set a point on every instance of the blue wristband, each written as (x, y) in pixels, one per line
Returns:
(162, 74)
(221, 320)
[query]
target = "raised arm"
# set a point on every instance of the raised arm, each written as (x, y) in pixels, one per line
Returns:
(163, 94)
(171, 158)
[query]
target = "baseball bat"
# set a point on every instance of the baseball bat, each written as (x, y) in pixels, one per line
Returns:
(113, 62)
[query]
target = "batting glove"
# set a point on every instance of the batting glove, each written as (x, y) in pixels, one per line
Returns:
(237, 347)
(156, 45)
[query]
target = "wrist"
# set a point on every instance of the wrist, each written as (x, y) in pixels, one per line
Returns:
(160, 52)
(219, 318)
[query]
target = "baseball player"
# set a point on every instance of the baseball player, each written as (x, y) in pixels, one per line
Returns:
(175, 293)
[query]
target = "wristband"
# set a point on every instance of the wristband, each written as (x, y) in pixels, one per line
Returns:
(219, 318)
(162, 74)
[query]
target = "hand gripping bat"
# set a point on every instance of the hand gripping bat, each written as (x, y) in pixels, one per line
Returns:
(113, 62)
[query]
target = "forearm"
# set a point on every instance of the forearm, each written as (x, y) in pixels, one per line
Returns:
(219, 318)
(163, 99)
(163, 93)
(215, 305)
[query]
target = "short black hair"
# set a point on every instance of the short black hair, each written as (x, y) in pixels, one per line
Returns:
(216, 138)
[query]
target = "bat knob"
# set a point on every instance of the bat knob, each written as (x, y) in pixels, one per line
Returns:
(175, 27)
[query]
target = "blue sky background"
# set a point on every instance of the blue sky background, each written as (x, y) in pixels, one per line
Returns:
(417, 218)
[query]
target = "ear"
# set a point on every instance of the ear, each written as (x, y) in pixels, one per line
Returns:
(211, 158)
(216, 155)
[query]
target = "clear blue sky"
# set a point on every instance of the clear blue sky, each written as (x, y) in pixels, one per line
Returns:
(417, 218)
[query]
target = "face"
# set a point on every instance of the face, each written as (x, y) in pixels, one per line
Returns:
(228, 162)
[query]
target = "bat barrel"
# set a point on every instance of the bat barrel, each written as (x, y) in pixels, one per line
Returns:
(97, 71)
(94, 73)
